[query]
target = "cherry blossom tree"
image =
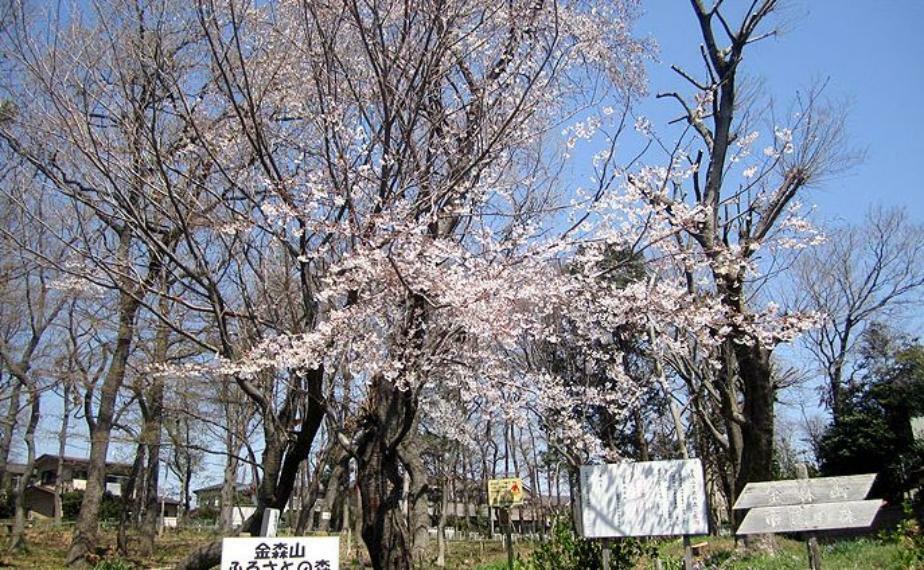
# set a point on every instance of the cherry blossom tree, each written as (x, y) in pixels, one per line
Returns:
(353, 214)
(737, 209)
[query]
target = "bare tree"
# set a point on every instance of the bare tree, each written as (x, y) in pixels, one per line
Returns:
(862, 273)
(34, 308)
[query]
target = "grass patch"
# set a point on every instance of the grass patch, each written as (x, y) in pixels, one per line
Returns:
(48, 548)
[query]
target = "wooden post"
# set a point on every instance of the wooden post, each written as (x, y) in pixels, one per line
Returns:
(507, 533)
(814, 554)
(345, 524)
(687, 553)
(607, 554)
(269, 523)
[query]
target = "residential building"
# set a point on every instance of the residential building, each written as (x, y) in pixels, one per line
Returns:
(40, 495)
(208, 499)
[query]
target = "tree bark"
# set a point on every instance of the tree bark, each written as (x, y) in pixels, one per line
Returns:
(418, 500)
(17, 539)
(9, 428)
(152, 437)
(228, 498)
(389, 419)
(282, 467)
(129, 511)
(85, 529)
(757, 430)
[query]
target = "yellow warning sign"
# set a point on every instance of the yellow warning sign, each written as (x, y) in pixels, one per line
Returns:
(505, 492)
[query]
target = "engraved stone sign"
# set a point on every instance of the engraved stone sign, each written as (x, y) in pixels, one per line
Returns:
(651, 498)
(810, 517)
(805, 491)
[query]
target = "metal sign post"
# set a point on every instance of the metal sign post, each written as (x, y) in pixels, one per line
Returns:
(502, 495)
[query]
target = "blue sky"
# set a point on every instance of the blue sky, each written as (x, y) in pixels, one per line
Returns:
(872, 52)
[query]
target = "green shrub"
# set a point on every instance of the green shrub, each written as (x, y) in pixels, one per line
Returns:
(565, 550)
(110, 508)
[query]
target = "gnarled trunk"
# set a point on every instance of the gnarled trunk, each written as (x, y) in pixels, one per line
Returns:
(757, 431)
(389, 419)
(417, 499)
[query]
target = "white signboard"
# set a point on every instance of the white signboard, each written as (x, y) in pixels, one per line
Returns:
(264, 553)
(652, 498)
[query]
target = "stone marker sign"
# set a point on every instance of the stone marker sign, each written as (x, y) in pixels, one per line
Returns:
(805, 491)
(805, 518)
(917, 428)
(806, 505)
(265, 553)
(650, 498)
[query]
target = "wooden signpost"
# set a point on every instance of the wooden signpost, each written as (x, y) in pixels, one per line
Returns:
(807, 505)
(502, 495)
(650, 498)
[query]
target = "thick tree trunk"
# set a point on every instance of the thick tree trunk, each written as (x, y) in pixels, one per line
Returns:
(151, 521)
(418, 501)
(282, 465)
(228, 497)
(85, 529)
(337, 488)
(757, 429)
(389, 420)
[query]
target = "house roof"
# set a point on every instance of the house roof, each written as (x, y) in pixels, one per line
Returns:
(78, 461)
(16, 468)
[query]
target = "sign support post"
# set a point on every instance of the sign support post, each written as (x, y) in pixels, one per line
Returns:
(687, 553)
(607, 553)
(814, 555)
(508, 536)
